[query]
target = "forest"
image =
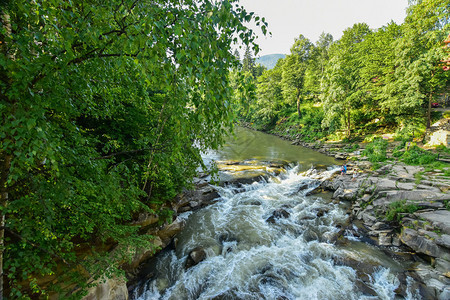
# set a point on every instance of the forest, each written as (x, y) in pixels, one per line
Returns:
(369, 81)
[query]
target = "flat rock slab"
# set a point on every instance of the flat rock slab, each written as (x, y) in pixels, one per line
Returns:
(406, 172)
(416, 195)
(422, 244)
(438, 218)
(444, 240)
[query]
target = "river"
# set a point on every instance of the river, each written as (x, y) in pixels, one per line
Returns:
(250, 144)
(271, 240)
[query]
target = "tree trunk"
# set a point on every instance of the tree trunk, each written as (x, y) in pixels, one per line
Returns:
(430, 99)
(4, 171)
(298, 106)
(348, 125)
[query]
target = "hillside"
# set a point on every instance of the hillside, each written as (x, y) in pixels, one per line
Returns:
(269, 61)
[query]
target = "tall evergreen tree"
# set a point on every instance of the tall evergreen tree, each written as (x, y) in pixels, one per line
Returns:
(237, 55)
(248, 62)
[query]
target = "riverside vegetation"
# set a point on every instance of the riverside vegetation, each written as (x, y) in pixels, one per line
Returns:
(105, 108)
(367, 83)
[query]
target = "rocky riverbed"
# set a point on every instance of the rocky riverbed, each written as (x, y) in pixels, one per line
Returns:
(416, 206)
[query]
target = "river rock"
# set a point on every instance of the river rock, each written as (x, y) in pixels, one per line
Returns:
(108, 289)
(380, 226)
(396, 241)
(368, 218)
(444, 240)
(442, 265)
(195, 256)
(385, 239)
(384, 184)
(416, 196)
(422, 244)
(428, 188)
(278, 214)
(438, 218)
(384, 169)
(341, 155)
(321, 212)
(203, 195)
(169, 231)
(404, 172)
(409, 186)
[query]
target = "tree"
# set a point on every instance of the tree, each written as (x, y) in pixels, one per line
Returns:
(315, 72)
(237, 55)
(294, 69)
(269, 94)
(100, 107)
(258, 70)
(378, 64)
(243, 84)
(419, 76)
(248, 62)
(342, 92)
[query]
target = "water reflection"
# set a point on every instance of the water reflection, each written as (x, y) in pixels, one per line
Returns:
(250, 144)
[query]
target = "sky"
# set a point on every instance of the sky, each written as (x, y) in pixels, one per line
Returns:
(289, 18)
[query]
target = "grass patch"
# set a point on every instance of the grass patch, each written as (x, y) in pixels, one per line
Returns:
(419, 177)
(351, 148)
(399, 207)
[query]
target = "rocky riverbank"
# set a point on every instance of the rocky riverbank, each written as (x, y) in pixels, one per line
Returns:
(395, 207)
(117, 288)
(397, 211)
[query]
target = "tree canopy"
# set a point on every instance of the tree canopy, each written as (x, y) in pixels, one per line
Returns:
(367, 80)
(105, 109)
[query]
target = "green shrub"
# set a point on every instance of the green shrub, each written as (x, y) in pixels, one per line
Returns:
(418, 176)
(376, 150)
(447, 204)
(443, 149)
(418, 156)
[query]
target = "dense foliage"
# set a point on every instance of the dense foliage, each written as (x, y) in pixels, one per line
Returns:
(105, 108)
(368, 80)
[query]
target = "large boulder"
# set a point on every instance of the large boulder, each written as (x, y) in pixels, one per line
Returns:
(144, 219)
(169, 231)
(142, 254)
(203, 195)
(415, 196)
(345, 193)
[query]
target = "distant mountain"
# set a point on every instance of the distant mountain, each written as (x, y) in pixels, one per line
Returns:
(269, 61)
